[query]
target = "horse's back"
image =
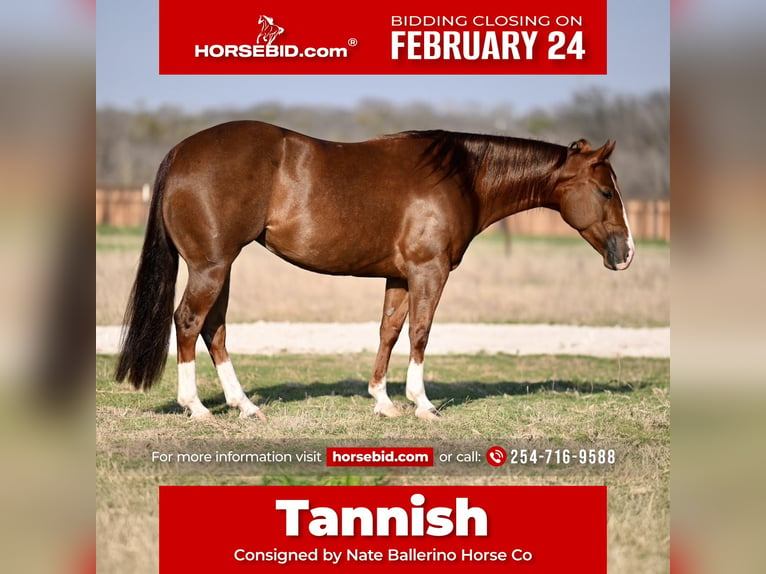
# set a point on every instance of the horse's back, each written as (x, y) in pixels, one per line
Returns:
(331, 207)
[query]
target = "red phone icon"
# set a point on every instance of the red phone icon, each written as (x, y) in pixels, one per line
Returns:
(496, 456)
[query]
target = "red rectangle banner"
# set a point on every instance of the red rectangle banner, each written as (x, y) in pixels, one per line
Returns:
(380, 456)
(418, 529)
(397, 37)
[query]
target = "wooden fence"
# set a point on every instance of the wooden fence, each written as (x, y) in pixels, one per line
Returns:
(648, 219)
(122, 207)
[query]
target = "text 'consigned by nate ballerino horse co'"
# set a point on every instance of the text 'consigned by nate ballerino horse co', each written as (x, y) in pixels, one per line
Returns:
(461, 520)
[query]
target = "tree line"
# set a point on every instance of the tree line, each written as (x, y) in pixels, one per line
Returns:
(131, 143)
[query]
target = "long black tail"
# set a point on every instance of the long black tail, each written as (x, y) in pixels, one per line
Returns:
(149, 315)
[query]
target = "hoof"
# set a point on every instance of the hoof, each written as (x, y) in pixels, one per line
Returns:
(255, 414)
(206, 416)
(389, 411)
(428, 414)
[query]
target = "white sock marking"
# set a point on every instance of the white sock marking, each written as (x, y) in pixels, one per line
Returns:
(232, 389)
(187, 390)
(416, 390)
(379, 393)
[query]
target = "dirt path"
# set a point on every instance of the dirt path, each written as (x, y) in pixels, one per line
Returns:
(446, 338)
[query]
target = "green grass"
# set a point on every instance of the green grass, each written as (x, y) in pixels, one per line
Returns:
(113, 230)
(497, 237)
(318, 401)
(111, 238)
(330, 393)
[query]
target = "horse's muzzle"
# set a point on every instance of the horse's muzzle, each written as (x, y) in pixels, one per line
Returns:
(619, 252)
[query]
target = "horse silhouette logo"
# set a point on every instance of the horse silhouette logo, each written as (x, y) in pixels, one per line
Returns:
(269, 30)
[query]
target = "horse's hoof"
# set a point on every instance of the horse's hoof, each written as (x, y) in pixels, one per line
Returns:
(428, 414)
(254, 414)
(207, 416)
(389, 411)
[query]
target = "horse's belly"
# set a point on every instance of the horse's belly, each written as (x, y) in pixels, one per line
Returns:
(335, 254)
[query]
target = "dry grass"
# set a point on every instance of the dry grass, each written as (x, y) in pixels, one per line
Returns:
(543, 281)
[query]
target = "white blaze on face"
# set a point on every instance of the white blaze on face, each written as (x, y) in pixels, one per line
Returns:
(630, 245)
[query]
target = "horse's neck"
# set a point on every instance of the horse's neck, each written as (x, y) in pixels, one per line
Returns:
(498, 203)
(512, 176)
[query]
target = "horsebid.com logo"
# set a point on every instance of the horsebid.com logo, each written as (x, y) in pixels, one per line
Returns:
(265, 46)
(269, 30)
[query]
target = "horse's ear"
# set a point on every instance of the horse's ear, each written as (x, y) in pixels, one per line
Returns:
(580, 146)
(606, 150)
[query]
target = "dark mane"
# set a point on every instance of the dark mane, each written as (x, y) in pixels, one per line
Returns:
(497, 163)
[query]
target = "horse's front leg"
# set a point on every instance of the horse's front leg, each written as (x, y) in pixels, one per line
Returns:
(394, 314)
(426, 284)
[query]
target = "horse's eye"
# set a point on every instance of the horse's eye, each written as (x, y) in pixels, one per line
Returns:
(606, 193)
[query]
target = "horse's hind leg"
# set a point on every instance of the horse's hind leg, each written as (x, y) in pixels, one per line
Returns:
(426, 285)
(202, 290)
(214, 335)
(394, 314)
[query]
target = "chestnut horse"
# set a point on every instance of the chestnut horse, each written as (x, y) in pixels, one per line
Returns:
(403, 207)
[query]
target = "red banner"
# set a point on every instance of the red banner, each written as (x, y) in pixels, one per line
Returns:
(419, 529)
(398, 37)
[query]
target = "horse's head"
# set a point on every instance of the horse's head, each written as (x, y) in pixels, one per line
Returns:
(589, 200)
